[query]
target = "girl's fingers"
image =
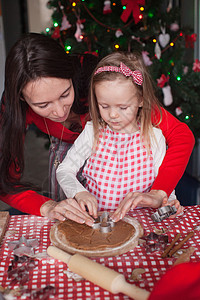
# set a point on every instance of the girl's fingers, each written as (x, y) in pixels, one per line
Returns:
(94, 214)
(82, 205)
(91, 205)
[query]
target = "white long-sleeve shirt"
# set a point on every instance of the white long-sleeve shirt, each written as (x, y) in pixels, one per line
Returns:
(82, 150)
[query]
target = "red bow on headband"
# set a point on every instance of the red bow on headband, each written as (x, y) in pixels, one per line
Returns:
(123, 69)
(137, 75)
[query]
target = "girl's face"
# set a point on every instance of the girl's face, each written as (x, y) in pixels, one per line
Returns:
(50, 97)
(118, 103)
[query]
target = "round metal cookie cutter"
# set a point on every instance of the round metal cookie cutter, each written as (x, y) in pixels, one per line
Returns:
(104, 223)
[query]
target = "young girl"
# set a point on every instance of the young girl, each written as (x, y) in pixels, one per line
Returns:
(121, 148)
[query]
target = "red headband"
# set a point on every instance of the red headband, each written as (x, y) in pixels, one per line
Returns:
(123, 69)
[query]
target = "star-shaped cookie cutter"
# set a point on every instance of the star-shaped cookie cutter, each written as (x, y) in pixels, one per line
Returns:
(104, 223)
(23, 246)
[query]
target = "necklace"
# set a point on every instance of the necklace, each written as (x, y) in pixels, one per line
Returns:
(57, 160)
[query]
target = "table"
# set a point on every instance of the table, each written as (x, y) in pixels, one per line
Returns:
(50, 271)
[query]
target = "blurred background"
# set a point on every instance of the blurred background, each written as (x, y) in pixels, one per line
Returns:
(167, 33)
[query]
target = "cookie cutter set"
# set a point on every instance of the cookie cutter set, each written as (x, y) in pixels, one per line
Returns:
(104, 223)
(163, 213)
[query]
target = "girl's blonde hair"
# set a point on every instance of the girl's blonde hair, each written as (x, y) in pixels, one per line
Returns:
(133, 61)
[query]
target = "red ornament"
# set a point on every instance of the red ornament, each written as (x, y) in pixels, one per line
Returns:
(162, 80)
(56, 33)
(132, 6)
(107, 10)
(189, 40)
(196, 66)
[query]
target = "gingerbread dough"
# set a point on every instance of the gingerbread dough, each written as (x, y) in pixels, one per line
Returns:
(84, 237)
(80, 238)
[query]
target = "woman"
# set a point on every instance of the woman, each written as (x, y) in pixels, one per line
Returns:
(40, 88)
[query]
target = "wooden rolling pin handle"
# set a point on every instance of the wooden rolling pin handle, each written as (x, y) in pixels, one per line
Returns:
(98, 274)
(120, 285)
(58, 254)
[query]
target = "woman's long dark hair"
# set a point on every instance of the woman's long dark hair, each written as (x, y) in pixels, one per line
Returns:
(33, 56)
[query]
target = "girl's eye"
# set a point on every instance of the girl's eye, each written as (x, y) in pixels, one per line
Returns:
(123, 108)
(104, 106)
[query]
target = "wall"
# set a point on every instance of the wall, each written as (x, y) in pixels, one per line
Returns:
(13, 23)
(39, 15)
(2, 53)
(190, 16)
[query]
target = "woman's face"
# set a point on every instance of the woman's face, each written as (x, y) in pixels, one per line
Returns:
(50, 97)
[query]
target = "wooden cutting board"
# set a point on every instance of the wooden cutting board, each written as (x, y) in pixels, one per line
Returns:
(58, 241)
(4, 219)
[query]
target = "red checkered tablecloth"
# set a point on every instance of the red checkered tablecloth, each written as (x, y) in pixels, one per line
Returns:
(50, 272)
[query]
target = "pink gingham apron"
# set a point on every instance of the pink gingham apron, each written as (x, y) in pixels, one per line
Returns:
(120, 165)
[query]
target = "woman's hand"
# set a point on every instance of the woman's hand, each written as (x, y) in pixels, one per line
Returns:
(67, 208)
(153, 199)
(177, 205)
(87, 200)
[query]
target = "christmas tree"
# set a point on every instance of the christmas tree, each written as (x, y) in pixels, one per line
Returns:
(152, 27)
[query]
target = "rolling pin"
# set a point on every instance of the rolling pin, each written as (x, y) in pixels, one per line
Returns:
(98, 274)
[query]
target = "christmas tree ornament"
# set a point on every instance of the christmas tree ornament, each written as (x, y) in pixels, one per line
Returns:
(132, 7)
(174, 27)
(196, 66)
(185, 70)
(65, 23)
(169, 7)
(118, 33)
(157, 51)
(189, 40)
(178, 111)
(163, 38)
(145, 56)
(78, 34)
(166, 89)
(107, 9)
(162, 81)
(56, 33)
(167, 93)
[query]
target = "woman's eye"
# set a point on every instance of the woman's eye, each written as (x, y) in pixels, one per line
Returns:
(65, 95)
(123, 108)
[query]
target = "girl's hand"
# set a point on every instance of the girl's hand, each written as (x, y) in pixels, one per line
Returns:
(87, 200)
(153, 199)
(171, 203)
(67, 208)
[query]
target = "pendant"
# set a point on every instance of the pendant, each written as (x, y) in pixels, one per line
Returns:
(56, 163)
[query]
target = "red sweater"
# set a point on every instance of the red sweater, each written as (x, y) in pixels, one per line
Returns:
(179, 282)
(179, 139)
